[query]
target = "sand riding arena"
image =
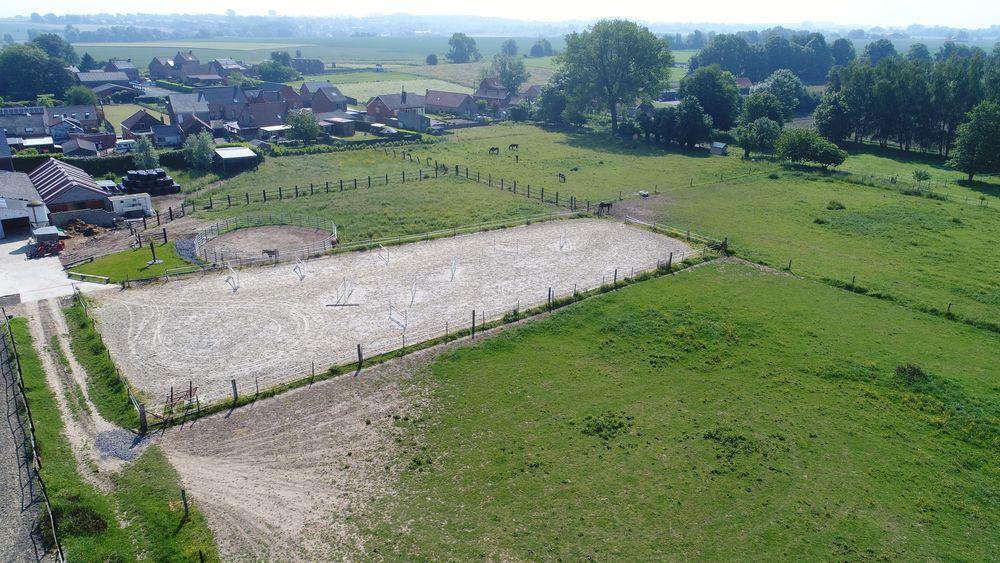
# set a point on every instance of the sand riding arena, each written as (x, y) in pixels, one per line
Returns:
(269, 324)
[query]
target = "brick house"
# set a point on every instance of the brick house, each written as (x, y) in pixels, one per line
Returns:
(123, 65)
(328, 98)
(139, 124)
(452, 103)
(162, 68)
(493, 92)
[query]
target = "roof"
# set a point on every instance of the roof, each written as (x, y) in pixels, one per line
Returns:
(263, 114)
(446, 99)
(17, 185)
(529, 90)
(167, 130)
(107, 88)
(138, 117)
(395, 101)
(331, 93)
(206, 76)
(189, 125)
(313, 86)
(229, 64)
(165, 61)
(4, 147)
(718, 145)
(102, 77)
(222, 95)
(744, 82)
(54, 177)
(82, 144)
(275, 128)
(189, 56)
(230, 153)
(187, 103)
(122, 64)
(37, 142)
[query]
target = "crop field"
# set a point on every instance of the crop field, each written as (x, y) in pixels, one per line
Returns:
(275, 322)
(468, 74)
(356, 77)
(681, 410)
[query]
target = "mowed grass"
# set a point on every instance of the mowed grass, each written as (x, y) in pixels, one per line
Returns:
(355, 77)
(722, 414)
(399, 209)
(116, 113)
(469, 74)
(131, 264)
(145, 492)
(604, 166)
(918, 251)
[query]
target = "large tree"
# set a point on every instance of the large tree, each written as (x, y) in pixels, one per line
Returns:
(56, 47)
(541, 48)
(304, 125)
(977, 143)
(831, 117)
(843, 51)
(716, 92)
(613, 62)
(199, 150)
(763, 104)
(693, 126)
(510, 71)
(80, 96)
(463, 49)
(759, 136)
(786, 87)
(27, 71)
(144, 155)
(509, 48)
(878, 50)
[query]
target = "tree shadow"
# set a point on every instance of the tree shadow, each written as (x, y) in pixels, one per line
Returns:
(601, 142)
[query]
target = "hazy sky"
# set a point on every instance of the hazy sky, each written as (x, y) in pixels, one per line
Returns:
(958, 13)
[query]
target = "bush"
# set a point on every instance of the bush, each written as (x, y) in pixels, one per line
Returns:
(912, 373)
(805, 145)
(174, 86)
(432, 59)
(835, 205)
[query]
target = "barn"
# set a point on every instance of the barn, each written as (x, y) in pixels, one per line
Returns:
(16, 196)
(70, 193)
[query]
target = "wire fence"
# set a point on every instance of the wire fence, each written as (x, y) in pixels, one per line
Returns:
(10, 365)
(230, 224)
(397, 337)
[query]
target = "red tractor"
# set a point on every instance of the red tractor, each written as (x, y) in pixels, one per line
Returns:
(46, 248)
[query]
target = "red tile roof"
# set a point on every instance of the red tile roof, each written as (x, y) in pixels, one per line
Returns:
(54, 178)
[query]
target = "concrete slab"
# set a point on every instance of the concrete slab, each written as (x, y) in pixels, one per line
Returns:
(39, 278)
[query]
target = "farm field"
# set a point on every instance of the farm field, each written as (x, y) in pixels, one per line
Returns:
(356, 77)
(468, 74)
(278, 324)
(922, 252)
(364, 91)
(116, 113)
(725, 402)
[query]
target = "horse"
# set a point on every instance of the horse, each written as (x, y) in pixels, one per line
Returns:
(562, 178)
(273, 254)
(513, 147)
(494, 150)
(604, 207)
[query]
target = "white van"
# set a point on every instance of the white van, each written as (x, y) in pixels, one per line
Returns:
(125, 145)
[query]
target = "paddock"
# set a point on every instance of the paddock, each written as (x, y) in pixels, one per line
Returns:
(265, 325)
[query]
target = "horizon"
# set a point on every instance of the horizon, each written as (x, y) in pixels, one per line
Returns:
(966, 14)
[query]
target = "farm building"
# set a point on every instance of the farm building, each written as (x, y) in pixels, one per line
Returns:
(80, 147)
(64, 187)
(99, 78)
(232, 159)
(123, 65)
(16, 194)
(139, 124)
(452, 103)
(339, 126)
(720, 148)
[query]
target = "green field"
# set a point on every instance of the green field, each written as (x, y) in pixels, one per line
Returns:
(399, 209)
(364, 91)
(131, 264)
(722, 414)
(116, 113)
(468, 74)
(356, 77)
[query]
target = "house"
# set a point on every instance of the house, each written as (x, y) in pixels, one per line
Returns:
(224, 102)
(79, 147)
(276, 91)
(181, 107)
(225, 67)
(308, 89)
(182, 58)
(6, 157)
(255, 116)
(99, 78)
(115, 93)
(328, 98)
(23, 122)
(719, 148)
(62, 128)
(452, 103)
(197, 74)
(385, 107)
(162, 68)
(139, 124)
(308, 66)
(493, 92)
(195, 125)
(17, 193)
(88, 118)
(168, 135)
(530, 93)
(123, 65)
(744, 84)
(413, 119)
(104, 140)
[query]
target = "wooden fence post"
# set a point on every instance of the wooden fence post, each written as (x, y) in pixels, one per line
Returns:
(184, 499)
(236, 395)
(360, 357)
(473, 324)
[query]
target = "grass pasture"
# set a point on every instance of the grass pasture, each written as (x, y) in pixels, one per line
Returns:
(712, 415)
(131, 264)
(116, 113)
(468, 74)
(364, 91)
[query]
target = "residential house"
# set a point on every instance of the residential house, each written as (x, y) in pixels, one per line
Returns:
(182, 58)
(255, 116)
(493, 92)
(96, 78)
(197, 74)
(89, 118)
(225, 67)
(16, 193)
(308, 66)
(386, 107)
(530, 93)
(123, 65)
(23, 122)
(224, 102)
(139, 124)
(745, 85)
(308, 89)
(162, 68)
(452, 103)
(181, 107)
(79, 147)
(104, 140)
(61, 129)
(328, 98)
(6, 157)
(168, 135)
(286, 94)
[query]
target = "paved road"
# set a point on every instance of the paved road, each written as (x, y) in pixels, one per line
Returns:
(39, 278)
(21, 502)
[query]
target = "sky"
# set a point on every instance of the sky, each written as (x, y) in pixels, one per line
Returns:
(867, 13)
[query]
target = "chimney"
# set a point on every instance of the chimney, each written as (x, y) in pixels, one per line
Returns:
(402, 98)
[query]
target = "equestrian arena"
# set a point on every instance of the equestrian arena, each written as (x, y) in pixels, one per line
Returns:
(269, 324)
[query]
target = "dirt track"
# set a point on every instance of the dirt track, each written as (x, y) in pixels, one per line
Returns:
(250, 241)
(275, 326)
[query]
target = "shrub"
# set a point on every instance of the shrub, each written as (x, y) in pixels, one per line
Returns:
(835, 205)
(912, 373)
(607, 425)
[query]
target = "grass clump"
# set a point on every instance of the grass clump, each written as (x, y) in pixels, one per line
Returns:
(607, 425)
(835, 205)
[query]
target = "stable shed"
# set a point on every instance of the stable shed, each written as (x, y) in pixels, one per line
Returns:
(64, 187)
(232, 159)
(720, 148)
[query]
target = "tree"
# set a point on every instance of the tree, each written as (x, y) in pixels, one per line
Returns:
(614, 61)
(843, 51)
(878, 50)
(56, 47)
(551, 104)
(304, 125)
(273, 71)
(8, 39)
(977, 142)
(45, 100)
(509, 48)
(919, 52)
(759, 135)
(27, 71)
(199, 150)
(431, 59)
(144, 156)
(519, 112)
(87, 62)
(665, 124)
(763, 104)
(832, 119)
(716, 92)
(463, 49)
(282, 58)
(541, 48)
(510, 71)
(805, 145)
(786, 87)
(694, 126)
(80, 96)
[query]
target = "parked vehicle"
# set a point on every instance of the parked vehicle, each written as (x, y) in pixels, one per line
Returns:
(125, 146)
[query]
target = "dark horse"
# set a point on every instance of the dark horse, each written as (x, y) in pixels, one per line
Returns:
(494, 150)
(604, 207)
(513, 147)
